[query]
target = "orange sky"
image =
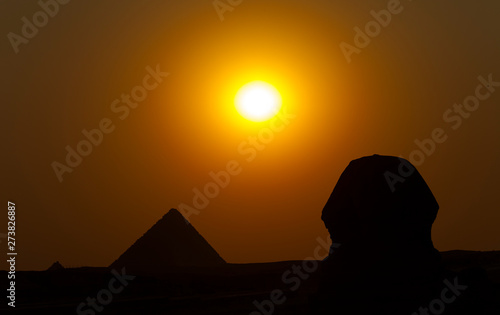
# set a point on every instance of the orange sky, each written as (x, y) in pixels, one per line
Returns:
(396, 90)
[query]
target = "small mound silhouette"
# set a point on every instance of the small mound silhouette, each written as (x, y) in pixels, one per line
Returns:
(56, 266)
(171, 242)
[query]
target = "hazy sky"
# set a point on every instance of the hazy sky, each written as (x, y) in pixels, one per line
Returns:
(394, 88)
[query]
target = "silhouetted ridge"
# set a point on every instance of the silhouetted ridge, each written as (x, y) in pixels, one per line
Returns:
(172, 241)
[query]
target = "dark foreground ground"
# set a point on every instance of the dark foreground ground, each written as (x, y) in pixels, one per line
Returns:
(233, 289)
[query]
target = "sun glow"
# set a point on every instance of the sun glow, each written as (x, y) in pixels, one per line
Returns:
(258, 101)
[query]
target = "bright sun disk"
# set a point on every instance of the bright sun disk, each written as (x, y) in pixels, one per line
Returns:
(258, 101)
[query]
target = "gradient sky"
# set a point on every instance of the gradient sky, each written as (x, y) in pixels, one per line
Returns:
(396, 90)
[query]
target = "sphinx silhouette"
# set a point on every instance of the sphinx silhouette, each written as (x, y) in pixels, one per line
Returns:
(381, 211)
(383, 260)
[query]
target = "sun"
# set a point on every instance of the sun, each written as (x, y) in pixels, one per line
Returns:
(258, 101)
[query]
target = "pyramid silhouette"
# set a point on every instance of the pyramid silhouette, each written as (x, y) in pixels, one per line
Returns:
(172, 241)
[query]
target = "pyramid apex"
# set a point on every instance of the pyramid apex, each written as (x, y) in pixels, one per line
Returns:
(174, 213)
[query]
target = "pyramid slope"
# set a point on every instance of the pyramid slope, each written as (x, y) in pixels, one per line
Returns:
(172, 241)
